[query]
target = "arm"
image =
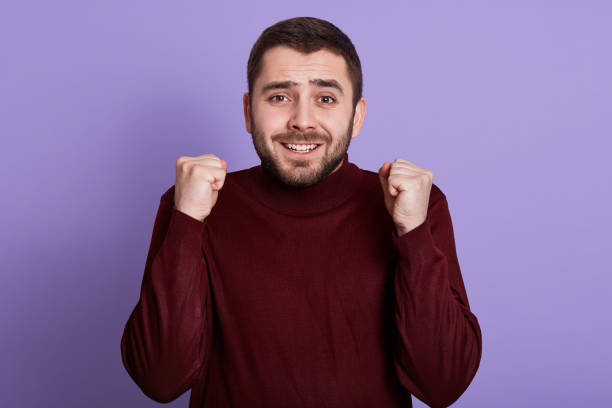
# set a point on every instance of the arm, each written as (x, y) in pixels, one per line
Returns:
(438, 342)
(164, 342)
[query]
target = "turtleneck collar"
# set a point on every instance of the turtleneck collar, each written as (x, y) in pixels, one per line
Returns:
(332, 191)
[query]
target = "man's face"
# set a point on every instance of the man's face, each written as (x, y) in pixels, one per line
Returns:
(304, 100)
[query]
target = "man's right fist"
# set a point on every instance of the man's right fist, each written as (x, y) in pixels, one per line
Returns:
(198, 181)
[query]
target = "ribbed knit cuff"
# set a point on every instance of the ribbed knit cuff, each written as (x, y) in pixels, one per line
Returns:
(185, 227)
(419, 237)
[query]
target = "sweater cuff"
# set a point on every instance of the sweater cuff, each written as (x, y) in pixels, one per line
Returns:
(416, 238)
(186, 227)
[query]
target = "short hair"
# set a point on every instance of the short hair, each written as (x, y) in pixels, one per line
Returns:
(306, 35)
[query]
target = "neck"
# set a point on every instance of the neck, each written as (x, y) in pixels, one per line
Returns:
(332, 191)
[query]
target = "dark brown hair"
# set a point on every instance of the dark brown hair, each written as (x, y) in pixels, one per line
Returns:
(306, 35)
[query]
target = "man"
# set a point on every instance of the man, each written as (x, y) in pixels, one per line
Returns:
(304, 281)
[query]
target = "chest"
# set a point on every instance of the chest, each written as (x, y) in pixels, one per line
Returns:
(264, 266)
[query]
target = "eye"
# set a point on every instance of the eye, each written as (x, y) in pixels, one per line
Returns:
(327, 100)
(274, 98)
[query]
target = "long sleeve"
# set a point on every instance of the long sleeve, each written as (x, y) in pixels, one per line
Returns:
(164, 342)
(438, 342)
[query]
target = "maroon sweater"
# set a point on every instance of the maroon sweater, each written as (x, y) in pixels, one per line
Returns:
(288, 297)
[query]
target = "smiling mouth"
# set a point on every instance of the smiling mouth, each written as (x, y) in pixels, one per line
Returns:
(301, 148)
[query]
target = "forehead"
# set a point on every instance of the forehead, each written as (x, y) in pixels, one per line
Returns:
(282, 63)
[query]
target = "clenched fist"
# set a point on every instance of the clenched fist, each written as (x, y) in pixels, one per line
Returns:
(198, 181)
(406, 188)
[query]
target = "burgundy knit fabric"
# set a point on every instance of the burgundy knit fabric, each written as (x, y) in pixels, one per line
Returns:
(289, 297)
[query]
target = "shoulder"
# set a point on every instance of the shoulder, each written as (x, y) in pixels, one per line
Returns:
(239, 177)
(168, 195)
(372, 183)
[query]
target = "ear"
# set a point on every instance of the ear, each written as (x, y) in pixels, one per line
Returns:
(360, 111)
(247, 111)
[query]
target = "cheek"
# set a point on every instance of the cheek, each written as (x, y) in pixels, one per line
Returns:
(271, 121)
(335, 123)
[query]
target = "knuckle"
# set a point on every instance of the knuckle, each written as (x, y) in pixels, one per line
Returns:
(211, 156)
(197, 170)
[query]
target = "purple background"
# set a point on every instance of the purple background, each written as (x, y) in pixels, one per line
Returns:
(510, 106)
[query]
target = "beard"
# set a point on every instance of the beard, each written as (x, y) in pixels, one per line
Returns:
(307, 172)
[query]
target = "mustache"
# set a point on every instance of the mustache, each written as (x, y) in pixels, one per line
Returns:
(297, 137)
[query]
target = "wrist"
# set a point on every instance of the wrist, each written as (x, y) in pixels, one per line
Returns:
(401, 229)
(193, 214)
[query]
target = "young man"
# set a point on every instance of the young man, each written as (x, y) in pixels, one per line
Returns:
(304, 281)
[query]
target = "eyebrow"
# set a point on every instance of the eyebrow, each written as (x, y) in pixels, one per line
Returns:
(323, 83)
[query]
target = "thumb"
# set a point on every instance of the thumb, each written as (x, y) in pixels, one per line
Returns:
(383, 175)
(214, 186)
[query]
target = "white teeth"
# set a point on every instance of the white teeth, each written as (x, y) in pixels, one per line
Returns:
(301, 148)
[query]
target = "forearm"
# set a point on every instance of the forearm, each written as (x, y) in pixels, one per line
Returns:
(438, 342)
(163, 343)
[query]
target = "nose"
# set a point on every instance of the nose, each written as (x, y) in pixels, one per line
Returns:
(303, 116)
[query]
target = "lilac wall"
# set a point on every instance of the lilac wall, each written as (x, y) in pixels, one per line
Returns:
(510, 106)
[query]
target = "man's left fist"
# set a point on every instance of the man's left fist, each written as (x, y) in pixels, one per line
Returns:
(406, 188)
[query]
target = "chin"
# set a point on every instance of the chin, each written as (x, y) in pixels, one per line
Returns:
(300, 177)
